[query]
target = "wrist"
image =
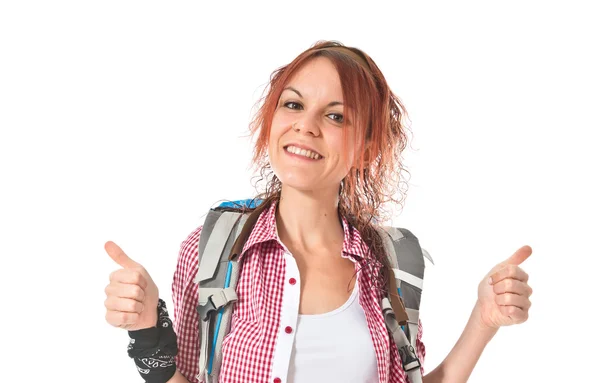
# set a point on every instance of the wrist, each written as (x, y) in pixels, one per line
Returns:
(153, 349)
(151, 317)
(149, 324)
(477, 324)
(145, 338)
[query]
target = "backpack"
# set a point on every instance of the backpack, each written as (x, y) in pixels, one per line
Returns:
(225, 230)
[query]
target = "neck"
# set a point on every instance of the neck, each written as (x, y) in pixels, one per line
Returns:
(309, 220)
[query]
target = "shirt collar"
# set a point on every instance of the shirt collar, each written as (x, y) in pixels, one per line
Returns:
(353, 242)
(265, 229)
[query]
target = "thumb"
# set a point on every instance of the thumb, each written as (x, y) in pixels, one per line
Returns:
(119, 256)
(519, 256)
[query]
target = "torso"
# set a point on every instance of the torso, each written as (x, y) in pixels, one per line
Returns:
(259, 346)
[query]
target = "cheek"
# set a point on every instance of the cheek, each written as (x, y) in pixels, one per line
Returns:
(280, 124)
(344, 153)
(281, 121)
(274, 136)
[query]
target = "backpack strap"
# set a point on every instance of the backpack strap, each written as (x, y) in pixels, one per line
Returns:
(217, 278)
(408, 356)
(406, 258)
(225, 230)
(215, 244)
(393, 298)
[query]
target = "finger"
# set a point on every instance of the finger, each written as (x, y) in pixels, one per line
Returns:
(508, 299)
(514, 286)
(123, 305)
(121, 319)
(509, 271)
(119, 256)
(516, 314)
(519, 256)
(129, 276)
(124, 290)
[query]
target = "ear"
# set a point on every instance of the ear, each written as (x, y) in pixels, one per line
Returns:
(367, 154)
(367, 157)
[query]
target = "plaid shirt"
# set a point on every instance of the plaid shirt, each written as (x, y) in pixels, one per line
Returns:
(249, 350)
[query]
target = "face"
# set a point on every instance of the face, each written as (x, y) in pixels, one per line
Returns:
(306, 142)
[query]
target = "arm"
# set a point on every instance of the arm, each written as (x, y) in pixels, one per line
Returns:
(185, 316)
(460, 362)
(503, 300)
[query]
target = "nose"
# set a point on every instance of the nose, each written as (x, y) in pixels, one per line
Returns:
(303, 126)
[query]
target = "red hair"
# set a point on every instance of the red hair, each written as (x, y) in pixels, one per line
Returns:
(377, 119)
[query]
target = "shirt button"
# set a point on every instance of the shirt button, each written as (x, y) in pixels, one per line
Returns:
(288, 330)
(292, 281)
(276, 380)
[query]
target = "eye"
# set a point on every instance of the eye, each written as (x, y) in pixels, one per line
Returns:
(340, 118)
(297, 106)
(291, 103)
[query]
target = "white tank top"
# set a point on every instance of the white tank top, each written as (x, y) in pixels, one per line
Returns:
(334, 347)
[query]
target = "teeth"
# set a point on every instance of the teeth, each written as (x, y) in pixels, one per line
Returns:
(303, 152)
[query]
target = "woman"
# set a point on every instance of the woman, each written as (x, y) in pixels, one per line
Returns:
(329, 140)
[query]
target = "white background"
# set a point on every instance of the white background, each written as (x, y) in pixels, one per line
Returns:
(125, 121)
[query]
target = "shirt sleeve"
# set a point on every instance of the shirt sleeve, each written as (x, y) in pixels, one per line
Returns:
(185, 300)
(421, 347)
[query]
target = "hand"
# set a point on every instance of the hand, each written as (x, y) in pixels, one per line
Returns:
(131, 295)
(503, 295)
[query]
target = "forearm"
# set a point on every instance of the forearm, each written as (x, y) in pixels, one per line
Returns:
(460, 362)
(178, 378)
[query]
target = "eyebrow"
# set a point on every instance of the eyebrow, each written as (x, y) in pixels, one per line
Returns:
(332, 103)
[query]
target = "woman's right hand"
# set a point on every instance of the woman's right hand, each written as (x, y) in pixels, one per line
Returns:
(131, 296)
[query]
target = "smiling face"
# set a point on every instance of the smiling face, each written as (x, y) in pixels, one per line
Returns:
(306, 142)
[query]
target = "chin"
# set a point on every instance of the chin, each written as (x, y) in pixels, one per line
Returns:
(299, 182)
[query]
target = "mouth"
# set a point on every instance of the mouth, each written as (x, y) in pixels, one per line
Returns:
(296, 150)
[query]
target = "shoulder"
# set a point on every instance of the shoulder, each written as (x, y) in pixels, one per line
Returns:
(189, 247)
(192, 239)
(187, 261)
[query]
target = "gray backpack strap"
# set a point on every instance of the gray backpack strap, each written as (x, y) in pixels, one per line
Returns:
(217, 280)
(213, 248)
(225, 324)
(406, 258)
(410, 361)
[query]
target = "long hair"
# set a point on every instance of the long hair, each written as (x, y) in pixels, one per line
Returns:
(378, 125)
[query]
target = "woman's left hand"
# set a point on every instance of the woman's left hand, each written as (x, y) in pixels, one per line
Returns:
(503, 296)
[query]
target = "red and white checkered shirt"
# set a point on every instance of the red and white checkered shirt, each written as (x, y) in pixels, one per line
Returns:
(250, 347)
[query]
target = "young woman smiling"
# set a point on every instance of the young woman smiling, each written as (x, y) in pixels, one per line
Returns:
(329, 139)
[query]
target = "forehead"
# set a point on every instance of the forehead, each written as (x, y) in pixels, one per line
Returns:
(317, 77)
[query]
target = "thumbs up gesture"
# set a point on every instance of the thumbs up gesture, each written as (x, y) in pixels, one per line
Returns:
(503, 295)
(131, 296)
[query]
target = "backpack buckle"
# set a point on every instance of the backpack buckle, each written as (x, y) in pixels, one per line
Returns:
(409, 358)
(205, 310)
(216, 301)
